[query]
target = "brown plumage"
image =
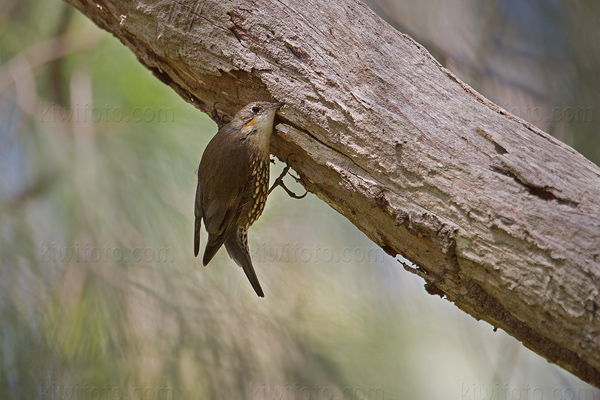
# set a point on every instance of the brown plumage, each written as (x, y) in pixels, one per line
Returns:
(233, 184)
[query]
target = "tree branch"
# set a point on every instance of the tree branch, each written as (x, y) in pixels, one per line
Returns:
(502, 219)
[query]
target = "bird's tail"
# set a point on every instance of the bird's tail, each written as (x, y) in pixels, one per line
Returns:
(198, 220)
(237, 248)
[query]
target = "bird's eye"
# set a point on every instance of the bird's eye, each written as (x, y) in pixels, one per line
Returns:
(255, 109)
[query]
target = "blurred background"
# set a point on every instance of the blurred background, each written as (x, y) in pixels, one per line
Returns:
(101, 297)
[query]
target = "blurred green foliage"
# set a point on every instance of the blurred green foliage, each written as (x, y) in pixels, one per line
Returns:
(101, 297)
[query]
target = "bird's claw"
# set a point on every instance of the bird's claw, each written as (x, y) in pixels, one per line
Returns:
(221, 119)
(279, 181)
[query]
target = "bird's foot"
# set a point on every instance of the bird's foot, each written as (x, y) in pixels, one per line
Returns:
(279, 181)
(221, 119)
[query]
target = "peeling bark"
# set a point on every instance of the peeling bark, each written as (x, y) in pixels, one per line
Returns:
(502, 219)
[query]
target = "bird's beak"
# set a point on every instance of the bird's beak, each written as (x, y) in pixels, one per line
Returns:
(277, 105)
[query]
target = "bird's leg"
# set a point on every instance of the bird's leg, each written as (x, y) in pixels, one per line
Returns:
(279, 181)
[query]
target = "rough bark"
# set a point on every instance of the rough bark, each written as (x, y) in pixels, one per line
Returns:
(502, 219)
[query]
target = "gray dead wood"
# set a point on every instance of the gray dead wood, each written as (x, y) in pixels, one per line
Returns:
(502, 219)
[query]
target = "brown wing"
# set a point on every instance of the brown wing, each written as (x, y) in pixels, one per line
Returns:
(222, 179)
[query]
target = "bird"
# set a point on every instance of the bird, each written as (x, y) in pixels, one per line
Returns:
(233, 185)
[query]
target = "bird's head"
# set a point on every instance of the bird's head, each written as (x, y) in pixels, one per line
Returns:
(256, 119)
